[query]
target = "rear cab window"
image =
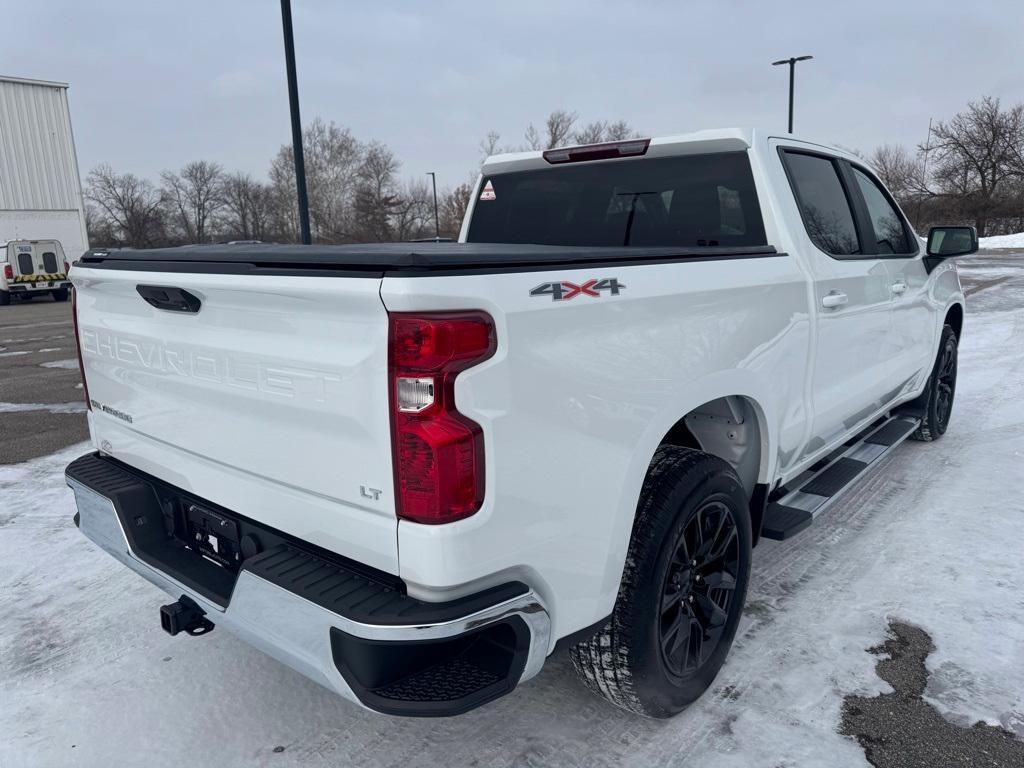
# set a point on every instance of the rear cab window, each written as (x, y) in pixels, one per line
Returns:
(689, 201)
(824, 204)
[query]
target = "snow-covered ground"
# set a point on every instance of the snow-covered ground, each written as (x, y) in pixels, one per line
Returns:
(936, 538)
(1015, 240)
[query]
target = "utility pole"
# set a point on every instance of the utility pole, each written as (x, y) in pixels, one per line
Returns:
(293, 101)
(437, 223)
(924, 171)
(792, 70)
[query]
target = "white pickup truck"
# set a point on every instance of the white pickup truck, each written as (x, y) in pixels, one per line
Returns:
(411, 471)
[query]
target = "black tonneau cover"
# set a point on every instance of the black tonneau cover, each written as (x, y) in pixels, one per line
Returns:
(379, 259)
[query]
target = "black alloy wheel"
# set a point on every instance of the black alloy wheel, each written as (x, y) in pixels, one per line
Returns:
(699, 588)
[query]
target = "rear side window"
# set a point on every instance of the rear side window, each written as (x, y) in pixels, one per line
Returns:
(890, 233)
(690, 201)
(823, 203)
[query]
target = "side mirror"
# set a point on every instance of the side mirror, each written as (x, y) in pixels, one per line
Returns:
(946, 242)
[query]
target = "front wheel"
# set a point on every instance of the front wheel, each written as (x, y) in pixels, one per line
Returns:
(682, 589)
(938, 395)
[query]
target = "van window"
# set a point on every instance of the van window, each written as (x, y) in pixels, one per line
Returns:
(26, 265)
(50, 261)
(691, 201)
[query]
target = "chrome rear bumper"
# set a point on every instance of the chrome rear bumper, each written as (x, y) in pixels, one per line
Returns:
(298, 632)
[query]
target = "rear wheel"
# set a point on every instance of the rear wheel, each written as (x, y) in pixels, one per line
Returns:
(5, 298)
(682, 589)
(937, 399)
(60, 294)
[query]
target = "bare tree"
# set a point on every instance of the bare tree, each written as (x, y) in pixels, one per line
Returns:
(193, 198)
(619, 131)
(975, 155)
(904, 175)
(247, 207)
(376, 195)
(560, 131)
(453, 205)
(333, 158)
(99, 227)
(489, 145)
(601, 130)
(413, 213)
(559, 128)
(591, 133)
(533, 139)
(129, 207)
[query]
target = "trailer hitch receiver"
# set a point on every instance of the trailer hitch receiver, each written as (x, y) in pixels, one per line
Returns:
(184, 616)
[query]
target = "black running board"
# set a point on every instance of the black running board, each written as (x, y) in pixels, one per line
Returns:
(816, 489)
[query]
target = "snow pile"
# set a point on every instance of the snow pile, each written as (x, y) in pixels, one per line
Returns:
(77, 407)
(1015, 240)
(87, 676)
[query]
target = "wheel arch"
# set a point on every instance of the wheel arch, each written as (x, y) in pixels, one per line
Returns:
(955, 318)
(668, 426)
(731, 427)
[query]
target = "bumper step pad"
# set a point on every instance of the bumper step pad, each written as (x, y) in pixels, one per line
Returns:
(351, 594)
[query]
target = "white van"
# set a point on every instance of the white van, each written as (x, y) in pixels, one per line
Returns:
(29, 268)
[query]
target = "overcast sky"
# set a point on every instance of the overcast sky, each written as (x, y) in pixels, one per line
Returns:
(154, 85)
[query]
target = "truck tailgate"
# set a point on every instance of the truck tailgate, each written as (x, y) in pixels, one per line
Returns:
(270, 400)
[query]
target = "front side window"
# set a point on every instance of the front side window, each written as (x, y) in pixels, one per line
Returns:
(824, 206)
(690, 201)
(890, 234)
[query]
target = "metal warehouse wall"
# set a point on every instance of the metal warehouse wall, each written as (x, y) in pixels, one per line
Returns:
(38, 168)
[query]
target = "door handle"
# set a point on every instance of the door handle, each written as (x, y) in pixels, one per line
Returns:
(833, 299)
(899, 287)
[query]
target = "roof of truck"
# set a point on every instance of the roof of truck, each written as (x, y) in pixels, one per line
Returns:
(694, 142)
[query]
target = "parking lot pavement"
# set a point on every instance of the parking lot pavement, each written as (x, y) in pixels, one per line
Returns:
(42, 408)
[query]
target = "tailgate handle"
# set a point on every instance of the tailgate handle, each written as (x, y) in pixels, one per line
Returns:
(169, 298)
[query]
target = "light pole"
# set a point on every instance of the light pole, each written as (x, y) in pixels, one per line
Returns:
(293, 101)
(437, 224)
(792, 68)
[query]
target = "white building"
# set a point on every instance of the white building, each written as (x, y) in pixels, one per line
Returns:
(40, 189)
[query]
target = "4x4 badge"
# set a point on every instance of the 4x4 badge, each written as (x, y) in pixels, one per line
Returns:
(565, 290)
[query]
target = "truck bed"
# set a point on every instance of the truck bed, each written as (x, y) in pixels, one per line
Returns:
(384, 259)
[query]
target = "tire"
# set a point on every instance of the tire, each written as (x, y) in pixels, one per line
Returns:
(60, 294)
(937, 400)
(637, 661)
(5, 298)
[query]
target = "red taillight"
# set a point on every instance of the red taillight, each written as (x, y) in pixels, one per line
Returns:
(438, 452)
(78, 346)
(67, 267)
(8, 271)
